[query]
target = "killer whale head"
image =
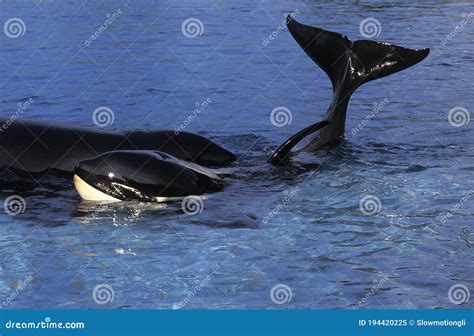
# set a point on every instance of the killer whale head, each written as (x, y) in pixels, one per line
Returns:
(348, 64)
(148, 176)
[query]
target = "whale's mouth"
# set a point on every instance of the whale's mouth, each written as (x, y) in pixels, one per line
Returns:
(145, 176)
(89, 193)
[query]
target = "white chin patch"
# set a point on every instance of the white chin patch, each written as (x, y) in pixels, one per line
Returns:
(89, 193)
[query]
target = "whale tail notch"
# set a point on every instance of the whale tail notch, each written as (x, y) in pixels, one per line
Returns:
(352, 63)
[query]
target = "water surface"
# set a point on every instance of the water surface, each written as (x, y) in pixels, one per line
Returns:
(300, 226)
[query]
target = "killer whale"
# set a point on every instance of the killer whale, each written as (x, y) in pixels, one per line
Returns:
(156, 165)
(38, 147)
(349, 64)
(146, 176)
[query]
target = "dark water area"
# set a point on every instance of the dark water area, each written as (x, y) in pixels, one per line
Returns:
(302, 226)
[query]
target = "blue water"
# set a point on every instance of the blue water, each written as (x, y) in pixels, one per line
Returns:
(300, 226)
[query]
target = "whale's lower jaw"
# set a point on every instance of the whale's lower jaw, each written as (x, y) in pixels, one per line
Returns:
(89, 193)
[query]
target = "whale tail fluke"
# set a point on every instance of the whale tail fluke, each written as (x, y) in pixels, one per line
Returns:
(349, 65)
(377, 60)
(352, 63)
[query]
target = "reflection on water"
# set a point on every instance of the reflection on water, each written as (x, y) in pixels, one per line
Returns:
(306, 225)
(119, 213)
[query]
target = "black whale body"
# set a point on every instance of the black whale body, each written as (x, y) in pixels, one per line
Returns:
(348, 64)
(38, 147)
(147, 176)
(147, 165)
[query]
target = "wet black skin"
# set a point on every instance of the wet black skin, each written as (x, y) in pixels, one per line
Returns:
(140, 173)
(37, 147)
(283, 152)
(146, 175)
(349, 65)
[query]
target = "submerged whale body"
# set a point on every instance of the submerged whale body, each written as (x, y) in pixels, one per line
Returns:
(349, 64)
(38, 147)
